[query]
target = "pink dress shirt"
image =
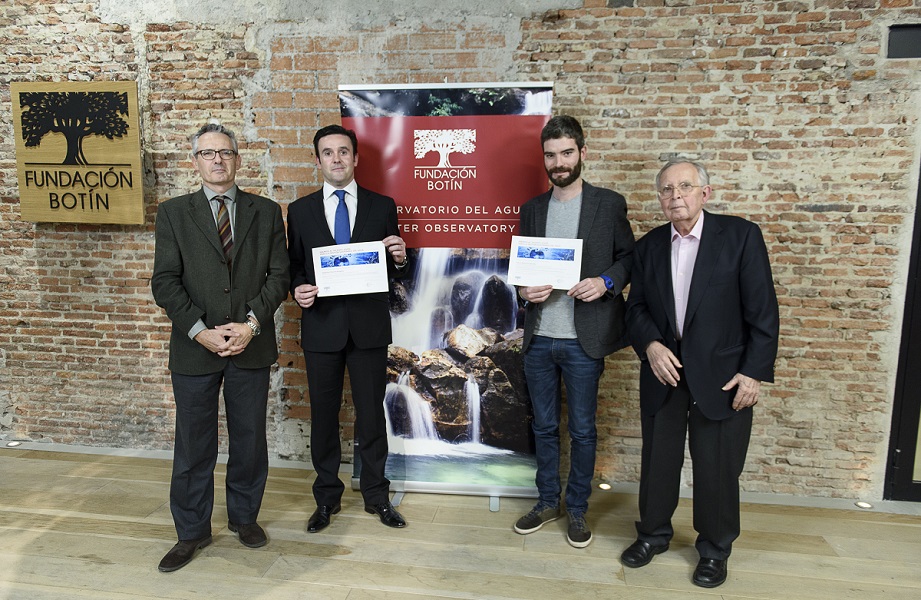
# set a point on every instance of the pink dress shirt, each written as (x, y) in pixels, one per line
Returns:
(684, 254)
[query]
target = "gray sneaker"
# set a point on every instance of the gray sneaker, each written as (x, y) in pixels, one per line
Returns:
(534, 520)
(578, 535)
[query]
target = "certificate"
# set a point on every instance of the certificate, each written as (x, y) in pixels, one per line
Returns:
(346, 269)
(545, 261)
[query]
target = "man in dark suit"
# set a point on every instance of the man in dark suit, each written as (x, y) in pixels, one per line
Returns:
(569, 332)
(702, 316)
(220, 271)
(344, 331)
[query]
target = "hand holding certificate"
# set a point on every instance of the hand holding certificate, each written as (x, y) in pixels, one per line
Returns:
(346, 269)
(536, 261)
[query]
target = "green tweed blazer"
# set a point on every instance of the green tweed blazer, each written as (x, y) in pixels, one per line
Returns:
(191, 280)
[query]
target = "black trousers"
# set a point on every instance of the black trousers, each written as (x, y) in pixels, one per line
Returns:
(196, 446)
(718, 450)
(368, 378)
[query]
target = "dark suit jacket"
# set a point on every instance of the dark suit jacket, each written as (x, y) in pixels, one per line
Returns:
(191, 281)
(731, 324)
(326, 325)
(607, 250)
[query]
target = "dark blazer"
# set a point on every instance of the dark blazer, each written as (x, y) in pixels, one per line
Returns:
(606, 250)
(731, 324)
(191, 280)
(326, 326)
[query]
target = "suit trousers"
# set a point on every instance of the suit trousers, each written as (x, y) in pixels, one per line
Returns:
(196, 447)
(368, 378)
(718, 450)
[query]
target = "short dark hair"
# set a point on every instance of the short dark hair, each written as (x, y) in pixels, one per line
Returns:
(335, 130)
(213, 128)
(562, 126)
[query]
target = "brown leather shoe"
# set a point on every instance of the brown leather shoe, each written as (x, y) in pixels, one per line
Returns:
(251, 534)
(182, 554)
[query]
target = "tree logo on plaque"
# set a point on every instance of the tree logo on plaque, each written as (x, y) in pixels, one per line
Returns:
(78, 152)
(75, 115)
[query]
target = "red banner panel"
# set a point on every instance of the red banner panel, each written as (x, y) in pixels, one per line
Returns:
(458, 181)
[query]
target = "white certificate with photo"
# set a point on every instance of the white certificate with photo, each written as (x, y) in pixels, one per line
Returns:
(545, 261)
(346, 269)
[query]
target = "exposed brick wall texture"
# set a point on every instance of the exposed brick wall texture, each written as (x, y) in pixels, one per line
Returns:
(804, 124)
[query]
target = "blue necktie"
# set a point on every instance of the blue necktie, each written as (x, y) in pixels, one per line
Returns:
(343, 231)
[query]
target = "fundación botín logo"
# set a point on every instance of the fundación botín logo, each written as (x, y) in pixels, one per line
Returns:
(444, 176)
(75, 115)
(78, 152)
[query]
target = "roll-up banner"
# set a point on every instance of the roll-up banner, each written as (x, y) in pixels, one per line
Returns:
(459, 160)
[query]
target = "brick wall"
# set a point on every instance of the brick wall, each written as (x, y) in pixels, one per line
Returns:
(805, 127)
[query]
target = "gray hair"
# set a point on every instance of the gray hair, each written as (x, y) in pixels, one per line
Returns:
(213, 128)
(702, 176)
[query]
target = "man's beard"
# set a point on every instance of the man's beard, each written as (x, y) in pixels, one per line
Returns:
(567, 180)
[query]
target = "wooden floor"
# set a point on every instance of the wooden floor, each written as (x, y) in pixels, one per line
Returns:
(86, 526)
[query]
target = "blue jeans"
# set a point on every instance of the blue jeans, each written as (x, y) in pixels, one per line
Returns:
(545, 361)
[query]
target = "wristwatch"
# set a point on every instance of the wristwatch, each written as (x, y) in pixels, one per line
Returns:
(608, 282)
(254, 326)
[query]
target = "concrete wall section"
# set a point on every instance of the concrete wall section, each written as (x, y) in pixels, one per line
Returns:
(344, 16)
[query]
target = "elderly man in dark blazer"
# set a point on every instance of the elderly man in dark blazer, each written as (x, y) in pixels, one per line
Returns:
(569, 332)
(702, 316)
(350, 331)
(220, 272)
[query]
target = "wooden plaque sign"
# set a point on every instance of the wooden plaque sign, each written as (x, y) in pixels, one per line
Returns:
(78, 152)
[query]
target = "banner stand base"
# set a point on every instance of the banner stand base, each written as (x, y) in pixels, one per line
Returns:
(494, 493)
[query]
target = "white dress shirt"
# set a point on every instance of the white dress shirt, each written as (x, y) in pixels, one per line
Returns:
(331, 202)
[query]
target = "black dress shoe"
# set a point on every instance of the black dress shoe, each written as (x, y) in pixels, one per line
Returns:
(640, 553)
(321, 517)
(710, 572)
(251, 534)
(182, 554)
(388, 514)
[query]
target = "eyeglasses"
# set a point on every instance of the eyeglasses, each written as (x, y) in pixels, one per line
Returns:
(226, 154)
(684, 188)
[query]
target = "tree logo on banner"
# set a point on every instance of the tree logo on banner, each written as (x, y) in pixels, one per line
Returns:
(444, 176)
(445, 142)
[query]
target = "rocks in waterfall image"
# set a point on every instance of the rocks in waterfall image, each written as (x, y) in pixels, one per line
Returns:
(456, 402)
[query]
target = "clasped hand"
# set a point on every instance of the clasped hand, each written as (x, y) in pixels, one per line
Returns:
(226, 340)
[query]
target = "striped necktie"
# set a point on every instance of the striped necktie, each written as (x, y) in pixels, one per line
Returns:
(223, 226)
